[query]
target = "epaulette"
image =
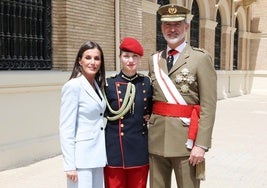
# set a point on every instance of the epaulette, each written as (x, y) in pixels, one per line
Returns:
(144, 76)
(110, 76)
(199, 49)
(156, 52)
(141, 74)
(113, 75)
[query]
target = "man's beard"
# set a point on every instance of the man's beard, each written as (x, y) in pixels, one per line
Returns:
(175, 40)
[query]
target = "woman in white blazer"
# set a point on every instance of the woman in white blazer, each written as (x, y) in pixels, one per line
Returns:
(81, 129)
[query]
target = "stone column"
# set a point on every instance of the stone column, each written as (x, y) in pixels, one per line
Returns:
(230, 47)
(243, 50)
(225, 53)
(207, 31)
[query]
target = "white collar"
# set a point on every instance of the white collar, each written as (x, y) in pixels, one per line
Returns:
(179, 48)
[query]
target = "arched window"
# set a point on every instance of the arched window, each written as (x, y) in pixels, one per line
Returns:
(218, 30)
(25, 35)
(161, 43)
(194, 29)
(235, 57)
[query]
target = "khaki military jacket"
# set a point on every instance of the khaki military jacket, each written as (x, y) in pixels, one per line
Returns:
(194, 76)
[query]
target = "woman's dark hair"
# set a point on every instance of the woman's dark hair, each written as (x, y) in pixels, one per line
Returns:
(77, 69)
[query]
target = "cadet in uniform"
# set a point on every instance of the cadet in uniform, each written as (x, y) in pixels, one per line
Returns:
(128, 96)
(184, 104)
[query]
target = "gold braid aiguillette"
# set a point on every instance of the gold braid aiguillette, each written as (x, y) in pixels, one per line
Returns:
(126, 105)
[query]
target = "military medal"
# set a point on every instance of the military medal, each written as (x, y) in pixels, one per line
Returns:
(184, 79)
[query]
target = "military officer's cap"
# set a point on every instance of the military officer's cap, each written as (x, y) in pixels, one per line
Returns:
(173, 13)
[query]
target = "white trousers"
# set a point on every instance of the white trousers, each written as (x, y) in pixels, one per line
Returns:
(88, 178)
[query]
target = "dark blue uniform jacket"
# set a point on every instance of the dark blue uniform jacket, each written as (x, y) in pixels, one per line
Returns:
(127, 137)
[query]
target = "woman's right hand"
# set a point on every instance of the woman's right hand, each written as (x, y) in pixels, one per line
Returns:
(72, 175)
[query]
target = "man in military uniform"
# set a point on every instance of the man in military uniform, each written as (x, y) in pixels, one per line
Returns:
(129, 97)
(184, 104)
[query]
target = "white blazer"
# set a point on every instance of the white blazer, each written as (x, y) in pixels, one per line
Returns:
(81, 128)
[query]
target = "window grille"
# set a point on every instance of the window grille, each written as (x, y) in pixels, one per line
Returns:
(236, 36)
(194, 28)
(25, 35)
(161, 42)
(217, 47)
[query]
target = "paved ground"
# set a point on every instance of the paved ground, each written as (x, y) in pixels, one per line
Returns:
(238, 157)
(239, 154)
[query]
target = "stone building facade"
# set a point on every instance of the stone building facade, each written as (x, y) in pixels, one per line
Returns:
(107, 22)
(30, 99)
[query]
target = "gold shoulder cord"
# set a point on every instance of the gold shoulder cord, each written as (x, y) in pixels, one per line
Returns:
(126, 105)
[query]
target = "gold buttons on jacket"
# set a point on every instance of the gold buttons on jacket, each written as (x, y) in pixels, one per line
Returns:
(122, 134)
(122, 125)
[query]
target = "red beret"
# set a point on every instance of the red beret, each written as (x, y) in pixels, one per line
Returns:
(130, 44)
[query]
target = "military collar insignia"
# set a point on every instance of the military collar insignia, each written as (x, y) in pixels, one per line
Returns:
(128, 78)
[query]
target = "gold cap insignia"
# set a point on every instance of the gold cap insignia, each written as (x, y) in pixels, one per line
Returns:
(173, 13)
(172, 10)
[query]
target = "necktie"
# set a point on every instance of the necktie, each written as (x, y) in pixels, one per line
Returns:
(171, 53)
